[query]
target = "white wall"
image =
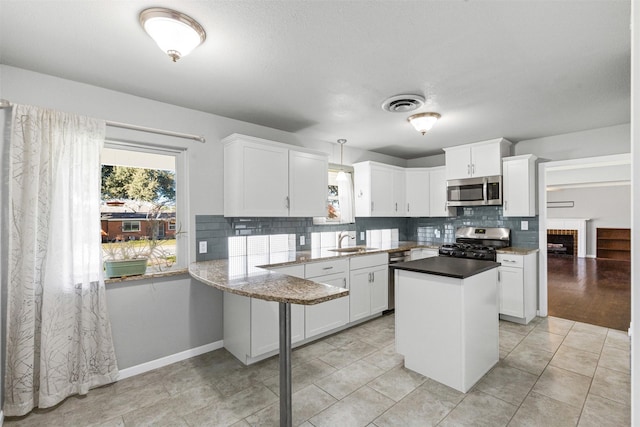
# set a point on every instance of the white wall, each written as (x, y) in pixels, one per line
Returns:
(607, 207)
(635, 224)
(577, 145)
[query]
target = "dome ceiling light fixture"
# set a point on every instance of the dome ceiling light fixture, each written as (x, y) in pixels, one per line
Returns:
(175, 33)
(423, 121)
(403, 103)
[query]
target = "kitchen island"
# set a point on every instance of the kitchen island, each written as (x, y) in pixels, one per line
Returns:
(447, 318)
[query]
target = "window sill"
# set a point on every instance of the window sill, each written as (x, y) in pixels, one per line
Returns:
(177, 272)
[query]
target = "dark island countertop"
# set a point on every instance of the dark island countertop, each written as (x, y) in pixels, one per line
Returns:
(458, 268)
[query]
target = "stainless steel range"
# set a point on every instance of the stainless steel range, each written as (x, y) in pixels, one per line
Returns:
(477, 243)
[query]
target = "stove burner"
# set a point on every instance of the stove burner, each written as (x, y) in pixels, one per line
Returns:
(468, 250)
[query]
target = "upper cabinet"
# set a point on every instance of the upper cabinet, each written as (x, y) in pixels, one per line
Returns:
(269, 179)
(417, 192)
(477, 159)
(379, 189)
(519, 186)
(438, 194)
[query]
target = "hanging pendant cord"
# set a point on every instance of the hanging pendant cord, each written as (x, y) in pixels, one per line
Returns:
(6, 104)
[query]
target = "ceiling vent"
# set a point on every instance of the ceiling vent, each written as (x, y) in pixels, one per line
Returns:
(403, 103)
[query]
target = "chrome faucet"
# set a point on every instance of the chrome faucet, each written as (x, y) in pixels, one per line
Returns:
(341, 237)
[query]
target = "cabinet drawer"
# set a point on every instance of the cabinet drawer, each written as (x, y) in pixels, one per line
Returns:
(315, 269)
(364, 261)
(509, 260)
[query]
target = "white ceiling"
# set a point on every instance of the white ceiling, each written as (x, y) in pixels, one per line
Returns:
(321, 69)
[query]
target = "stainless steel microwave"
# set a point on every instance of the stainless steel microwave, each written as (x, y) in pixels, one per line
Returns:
(486, 190)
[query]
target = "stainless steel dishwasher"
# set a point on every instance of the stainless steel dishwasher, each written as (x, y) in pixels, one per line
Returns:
(394, 258)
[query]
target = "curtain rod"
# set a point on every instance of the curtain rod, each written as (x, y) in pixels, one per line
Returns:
(5, 104)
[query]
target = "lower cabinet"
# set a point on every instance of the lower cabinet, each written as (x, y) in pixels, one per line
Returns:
(517, 287)
(369, 279)
(332, 314)
(265, 330)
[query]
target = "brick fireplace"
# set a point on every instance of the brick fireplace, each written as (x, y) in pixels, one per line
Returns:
(567, 238)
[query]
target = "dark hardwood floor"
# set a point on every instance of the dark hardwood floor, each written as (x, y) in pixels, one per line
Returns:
(595, 291)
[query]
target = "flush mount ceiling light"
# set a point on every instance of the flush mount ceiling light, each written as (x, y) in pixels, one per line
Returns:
(423, 121)
(175, 33)
(403, 103)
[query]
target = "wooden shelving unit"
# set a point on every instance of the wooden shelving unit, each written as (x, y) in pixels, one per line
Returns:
(614, 243)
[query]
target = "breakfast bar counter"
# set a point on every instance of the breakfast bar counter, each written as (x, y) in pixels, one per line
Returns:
(236, 277)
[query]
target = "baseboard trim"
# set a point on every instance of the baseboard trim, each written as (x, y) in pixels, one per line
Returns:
(168, 360)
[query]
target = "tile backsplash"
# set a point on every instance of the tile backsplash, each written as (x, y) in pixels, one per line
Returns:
(216, 229)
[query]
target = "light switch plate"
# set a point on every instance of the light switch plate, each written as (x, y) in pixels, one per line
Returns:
(202, 247)
(302, 240)
(362, 235)
(524, 225)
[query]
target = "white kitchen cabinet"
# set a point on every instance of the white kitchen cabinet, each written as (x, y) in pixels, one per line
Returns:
(417, 192)
(269, 179)
(517, 287)
(368, 286)
(438, 194)
(251, 326)
(477, 159)
(519, 186)
(421, 253)
(308, 181)
(332, 314)
(379, 190)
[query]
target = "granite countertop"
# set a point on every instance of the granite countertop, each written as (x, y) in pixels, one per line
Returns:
(300, 257)
(458, 268)
(234, 276)
(517, 251)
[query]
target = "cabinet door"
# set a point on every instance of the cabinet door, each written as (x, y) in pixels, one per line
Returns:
(399, 191)
(511, 291)
(308, 175)
(265, 177)
(379, 289)
(417, 192)
(458, 162)
(438, 194)
(382, 195)
(518, 191)
(265, 331)
(359, 294)
(328, 315)
(486, 160)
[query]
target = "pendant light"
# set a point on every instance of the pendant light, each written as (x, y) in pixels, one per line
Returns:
(175, 33)
(422, 122)
(341, 175)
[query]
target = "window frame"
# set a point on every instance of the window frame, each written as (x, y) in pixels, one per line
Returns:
(181, 224)
(131, 230)
(334, 168)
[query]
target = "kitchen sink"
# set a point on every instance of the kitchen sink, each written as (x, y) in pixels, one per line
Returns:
(353, 249)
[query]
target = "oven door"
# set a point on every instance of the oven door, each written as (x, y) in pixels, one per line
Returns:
(466, 192)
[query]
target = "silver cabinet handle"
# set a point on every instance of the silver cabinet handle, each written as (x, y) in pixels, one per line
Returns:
(344, 282)
(498, 276)
(371, 206)
(396, 206)
(408, 207)
(468, 169)
(327, 268)
(505, 205)
(509, 260)
(473, 168)
(286, 202)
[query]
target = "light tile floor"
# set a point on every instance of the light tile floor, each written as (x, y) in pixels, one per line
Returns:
(552, 372)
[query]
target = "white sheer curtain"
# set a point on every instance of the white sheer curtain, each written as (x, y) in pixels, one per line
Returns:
(58, 339)
(345, 198)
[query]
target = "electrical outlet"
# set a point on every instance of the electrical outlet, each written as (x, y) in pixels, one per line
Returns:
(524, 225)
(202, 247)
(302, 240)
(362, 235)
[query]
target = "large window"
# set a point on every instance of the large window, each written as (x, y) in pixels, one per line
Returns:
(142, 209)
(339, 193)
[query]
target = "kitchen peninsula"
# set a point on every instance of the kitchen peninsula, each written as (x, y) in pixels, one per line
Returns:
(270, 286)
(447, 318)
